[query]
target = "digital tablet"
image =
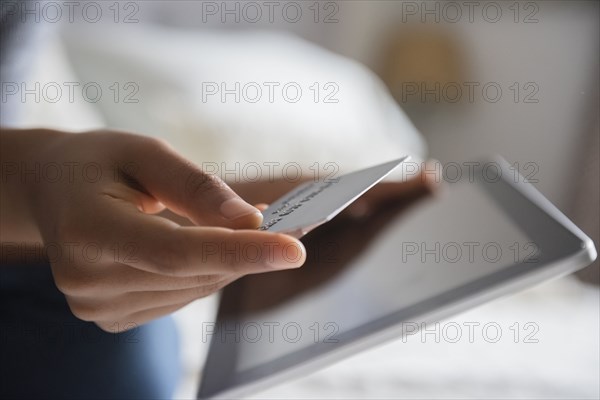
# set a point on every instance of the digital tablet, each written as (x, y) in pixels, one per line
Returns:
(487, 233)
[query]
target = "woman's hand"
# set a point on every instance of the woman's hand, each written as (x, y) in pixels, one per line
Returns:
(92, 200)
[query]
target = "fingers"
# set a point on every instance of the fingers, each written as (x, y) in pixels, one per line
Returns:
(137, 319)
(115, 308)
(116, 279)
(187, 190)
(165, 248)
(170, 266)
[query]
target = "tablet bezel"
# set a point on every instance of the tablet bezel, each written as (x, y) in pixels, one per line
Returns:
(565, 251)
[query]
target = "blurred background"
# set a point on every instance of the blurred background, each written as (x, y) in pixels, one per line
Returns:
(454, 81)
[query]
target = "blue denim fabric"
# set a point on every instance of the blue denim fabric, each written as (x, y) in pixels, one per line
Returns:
(46, 352)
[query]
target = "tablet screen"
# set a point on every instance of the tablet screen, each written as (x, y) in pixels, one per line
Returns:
(434, 246)
(364, 281)
(439, 245)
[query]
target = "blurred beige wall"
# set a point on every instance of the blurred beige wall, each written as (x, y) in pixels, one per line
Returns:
(554, 45)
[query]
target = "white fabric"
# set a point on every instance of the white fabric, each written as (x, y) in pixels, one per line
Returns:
(364, 127)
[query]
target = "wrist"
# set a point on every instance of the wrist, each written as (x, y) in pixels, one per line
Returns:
(23, 175)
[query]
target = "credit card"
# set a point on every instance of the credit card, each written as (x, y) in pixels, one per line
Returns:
(315, 202)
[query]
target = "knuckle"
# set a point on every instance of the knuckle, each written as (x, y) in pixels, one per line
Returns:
(104, 311)
(84, 313)
(202, 280)
(208, 289)
(107, 327)
(116, 326)
(234, 264)
(65, 284)
(169, 260)
(200, 183)
(157, 144)
(71, 285)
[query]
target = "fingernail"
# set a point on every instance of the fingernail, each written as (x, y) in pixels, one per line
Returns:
(236, 208)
